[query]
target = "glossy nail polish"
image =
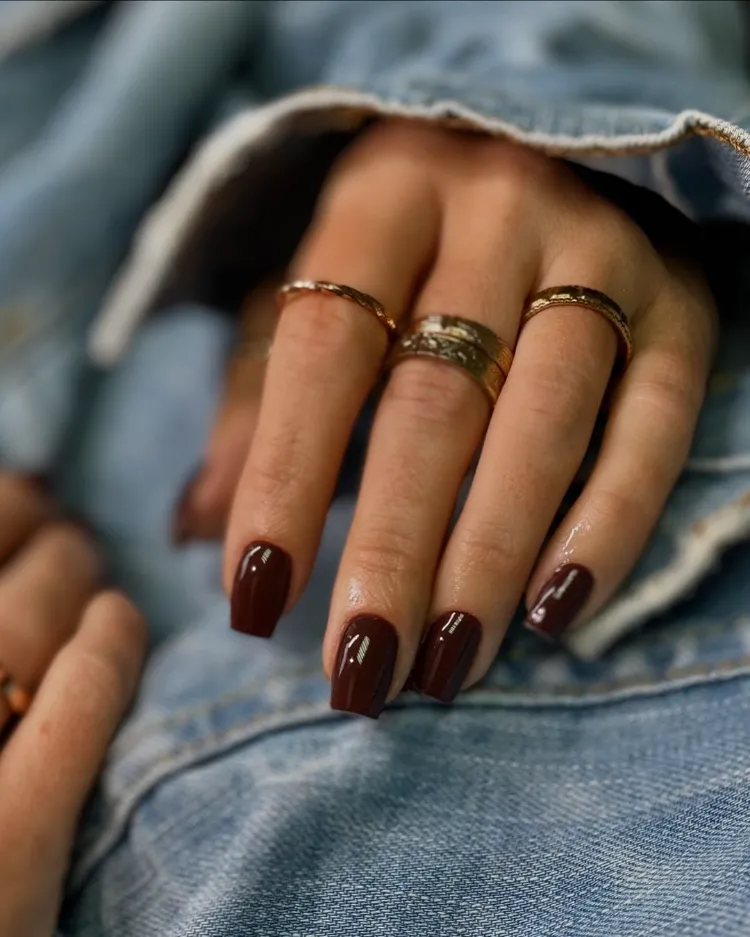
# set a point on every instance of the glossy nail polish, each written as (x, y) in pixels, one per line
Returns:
(260, 590)
(182, 521)
(446, 654)
(364, 666)
(560, 600)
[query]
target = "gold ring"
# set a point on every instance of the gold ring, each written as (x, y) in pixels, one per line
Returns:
(469, 331)
(17, 698)
(459, 342)
(594, 300)
(369, 303)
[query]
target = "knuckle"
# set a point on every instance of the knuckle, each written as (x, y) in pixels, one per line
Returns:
(386, 553)
(669, 385)
(487, 549)
(432, 391)
(102, 675)
(315, 329)
(277, 467)
(557, 400)
(609, 506)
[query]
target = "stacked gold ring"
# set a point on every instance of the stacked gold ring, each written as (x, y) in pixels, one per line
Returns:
(461, 342)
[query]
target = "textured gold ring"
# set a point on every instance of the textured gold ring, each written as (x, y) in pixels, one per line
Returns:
(16, 697)
(369, 303)
(594, 300)
(476, 334)
(459, 342)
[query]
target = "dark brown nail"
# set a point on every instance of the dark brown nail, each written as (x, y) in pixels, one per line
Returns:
(446, 655)
(182, 519)
(260, 590)
(364, 666)
(560, 599)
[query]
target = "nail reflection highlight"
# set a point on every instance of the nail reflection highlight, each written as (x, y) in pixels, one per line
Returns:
(364, 666)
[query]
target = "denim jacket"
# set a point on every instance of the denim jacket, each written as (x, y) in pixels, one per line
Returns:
(98, 115)
(146, 150)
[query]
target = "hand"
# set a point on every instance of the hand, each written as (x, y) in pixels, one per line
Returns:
(430, 222)
(80, 654)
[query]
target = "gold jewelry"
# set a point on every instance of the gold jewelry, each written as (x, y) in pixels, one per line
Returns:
(594, 300)
(17, 698)
(369, 303)
(459, 342)
(469, 331)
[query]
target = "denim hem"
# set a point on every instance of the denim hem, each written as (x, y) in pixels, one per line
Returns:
(224, 153)
(695, 555)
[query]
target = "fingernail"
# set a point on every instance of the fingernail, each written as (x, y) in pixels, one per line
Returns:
(364, 666)
(446, 655)
(182, 521)
(260, 590)
(560, 599)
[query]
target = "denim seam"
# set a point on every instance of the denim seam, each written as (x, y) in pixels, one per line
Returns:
(194, 753)
(656, 684)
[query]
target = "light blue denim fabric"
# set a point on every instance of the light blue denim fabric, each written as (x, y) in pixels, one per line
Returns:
(560, 796)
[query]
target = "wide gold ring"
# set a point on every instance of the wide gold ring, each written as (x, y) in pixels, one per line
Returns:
(594, 300)
(17, 698)
(369, 303)
(461, 342)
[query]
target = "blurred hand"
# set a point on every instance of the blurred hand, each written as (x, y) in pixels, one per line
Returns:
(79, 654)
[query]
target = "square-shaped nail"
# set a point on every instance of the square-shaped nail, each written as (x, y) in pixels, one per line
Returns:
(260, 589)
(364, 666)
(446, 655)
(560, 600)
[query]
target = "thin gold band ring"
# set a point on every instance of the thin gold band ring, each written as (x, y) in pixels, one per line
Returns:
(299, 287)
(594, 300)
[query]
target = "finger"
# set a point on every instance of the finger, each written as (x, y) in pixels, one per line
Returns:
(42, 592)
(429, 423)
(202, 509)
(375, 231)
(52, 758)
(645, 446)
(537, 437)
(24, 507)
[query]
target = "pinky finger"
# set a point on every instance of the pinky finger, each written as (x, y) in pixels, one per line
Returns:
(51, 761)
(645, 447)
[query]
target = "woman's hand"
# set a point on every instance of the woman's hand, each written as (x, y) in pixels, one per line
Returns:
(433, 222)
(79, 653)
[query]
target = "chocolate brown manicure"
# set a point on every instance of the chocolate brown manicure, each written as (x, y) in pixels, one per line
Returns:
(260, 590)
(364, 666)
(560, 600)
(446, 655)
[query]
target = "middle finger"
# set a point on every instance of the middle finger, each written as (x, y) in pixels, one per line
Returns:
(428, 426)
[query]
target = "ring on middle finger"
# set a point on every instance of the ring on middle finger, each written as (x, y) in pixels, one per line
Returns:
(466, 344)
